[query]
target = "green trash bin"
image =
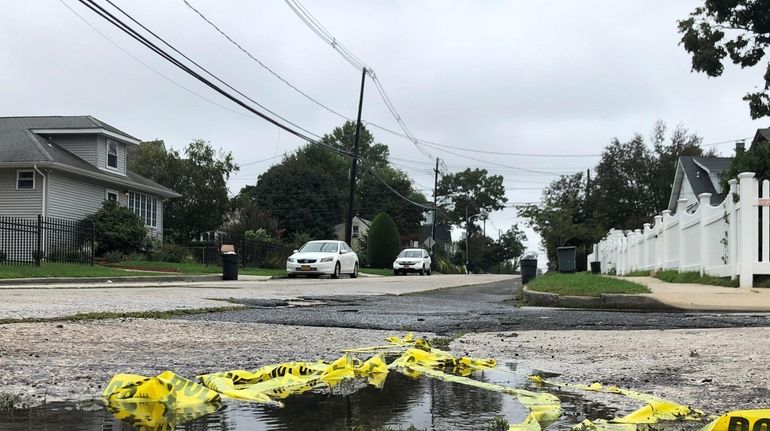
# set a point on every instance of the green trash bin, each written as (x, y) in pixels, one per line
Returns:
(566, 259)
(229, 266)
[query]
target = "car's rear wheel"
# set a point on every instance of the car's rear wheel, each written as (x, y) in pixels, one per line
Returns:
(430, 271)
(422, 270)
(395, 272)
(336, 273)
(354, 274)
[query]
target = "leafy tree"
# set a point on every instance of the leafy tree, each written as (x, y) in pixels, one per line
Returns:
(756, 159)
(302, 195)
(470, 192)
(739, 29)
(563, 217)
(117, 228)
(200, 177)
(246, 216)
(511, 244)
(383, 241)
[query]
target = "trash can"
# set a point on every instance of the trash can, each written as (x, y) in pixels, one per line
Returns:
(596, 267)
(528, 268)
(230, 266)
(566, 259)
(229, 262)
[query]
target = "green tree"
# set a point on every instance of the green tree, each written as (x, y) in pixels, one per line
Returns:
(470, 192)
(302, 195)
(383, 241)
(756, 159)
(200, 177)
(511, 244)
(739, 29)
(117, 228)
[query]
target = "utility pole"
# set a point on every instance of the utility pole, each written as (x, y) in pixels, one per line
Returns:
(467, 239)
(435, 193)
(353, 168)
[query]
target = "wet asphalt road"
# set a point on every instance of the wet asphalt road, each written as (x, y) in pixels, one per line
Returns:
(479, 308)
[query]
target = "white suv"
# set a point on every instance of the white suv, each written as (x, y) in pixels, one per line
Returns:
(412, 260)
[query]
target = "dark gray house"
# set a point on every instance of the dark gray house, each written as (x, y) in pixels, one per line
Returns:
(696, 175)
(66, 167)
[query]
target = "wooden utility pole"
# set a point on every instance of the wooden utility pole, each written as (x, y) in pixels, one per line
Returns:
(353, 167)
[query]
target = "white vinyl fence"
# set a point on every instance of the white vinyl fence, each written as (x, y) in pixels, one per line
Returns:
(729, 240)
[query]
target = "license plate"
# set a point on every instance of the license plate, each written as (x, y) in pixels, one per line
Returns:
(305, 268)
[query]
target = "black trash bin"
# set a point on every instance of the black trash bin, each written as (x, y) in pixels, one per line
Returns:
(229, 266)
(596, 267)
(566, 259)
(528, 269)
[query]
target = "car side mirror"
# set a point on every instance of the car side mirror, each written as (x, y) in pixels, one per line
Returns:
(296, 251)
(342, 251)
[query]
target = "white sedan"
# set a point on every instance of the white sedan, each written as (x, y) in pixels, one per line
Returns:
(323, 257)
(412, 260)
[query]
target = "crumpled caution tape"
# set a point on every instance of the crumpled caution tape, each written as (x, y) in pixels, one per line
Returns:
(741, 420)
(158, 416)
(397, 345)
(167, 388)
(656, 408)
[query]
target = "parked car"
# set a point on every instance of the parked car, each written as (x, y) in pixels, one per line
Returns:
(412, 260)
(323, 257)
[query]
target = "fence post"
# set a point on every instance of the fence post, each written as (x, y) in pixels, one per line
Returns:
(747, 228)
(703, 205)
(732, 238)
(93, 241)
(681, 210)
(39, 244)
(647, 264)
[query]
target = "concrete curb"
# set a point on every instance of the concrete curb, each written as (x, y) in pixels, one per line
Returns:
(118, 279)
(615, 301)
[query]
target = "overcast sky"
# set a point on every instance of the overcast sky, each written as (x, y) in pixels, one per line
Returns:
(555, 77)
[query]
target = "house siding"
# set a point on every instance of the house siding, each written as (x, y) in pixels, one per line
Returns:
(73, 198)
(20, 203)
(101, 156)
(83, 146)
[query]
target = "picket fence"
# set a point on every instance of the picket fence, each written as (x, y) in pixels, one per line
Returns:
(728, 240)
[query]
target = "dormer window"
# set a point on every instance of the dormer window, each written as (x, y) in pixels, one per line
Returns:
(112, 154)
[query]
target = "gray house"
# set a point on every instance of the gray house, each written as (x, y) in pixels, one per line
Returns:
(66, 167)
(696, 175)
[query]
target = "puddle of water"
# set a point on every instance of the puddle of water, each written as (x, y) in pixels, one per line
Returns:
(423, 403)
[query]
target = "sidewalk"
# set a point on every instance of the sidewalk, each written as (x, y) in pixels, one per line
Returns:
(664, 297)
(699, 297)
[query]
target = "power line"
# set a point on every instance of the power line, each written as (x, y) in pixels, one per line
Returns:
(327, 37)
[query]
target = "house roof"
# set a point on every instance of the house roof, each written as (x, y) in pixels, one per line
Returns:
(18, 145)
(59, 122)
(761, 135)
(698, 172)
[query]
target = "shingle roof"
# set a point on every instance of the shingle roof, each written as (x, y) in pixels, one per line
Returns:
(19, 145)
(761, 135)
(699, 178)
(58, 122)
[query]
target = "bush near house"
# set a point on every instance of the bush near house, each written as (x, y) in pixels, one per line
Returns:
(117, 229)
(384, 241)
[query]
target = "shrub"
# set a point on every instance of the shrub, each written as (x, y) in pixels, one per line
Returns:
(258, 235)
(135, 256)
(298, 239)
(383, 241)
(170, 253)
(117, 228)
(113, 256)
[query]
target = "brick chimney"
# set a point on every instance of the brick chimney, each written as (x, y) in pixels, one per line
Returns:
(740, 147)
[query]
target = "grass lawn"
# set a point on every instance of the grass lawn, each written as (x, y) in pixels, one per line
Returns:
(64, 270)
(673, 276)
(193, 268)
(376, 271)
(638, 274)
(583, 284)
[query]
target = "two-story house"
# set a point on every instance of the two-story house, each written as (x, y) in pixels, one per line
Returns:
(66, 167)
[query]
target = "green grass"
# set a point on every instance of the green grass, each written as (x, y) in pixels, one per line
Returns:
(102, 315)
(673, 276)
(195, 268)
(584, 284)
(377, 271)
(64, 270)
(638, 274)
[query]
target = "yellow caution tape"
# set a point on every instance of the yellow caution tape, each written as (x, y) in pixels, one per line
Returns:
(741, 420)
(161, 402)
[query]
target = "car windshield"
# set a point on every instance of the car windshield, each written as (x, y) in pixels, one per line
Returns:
(410, 253)
(323, 247)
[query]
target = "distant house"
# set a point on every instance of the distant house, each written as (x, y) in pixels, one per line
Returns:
(696, 175)
(443, 237)
(360, 228)
(66, 167)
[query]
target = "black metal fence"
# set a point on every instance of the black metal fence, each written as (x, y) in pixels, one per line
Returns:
(251, 253)
(25, 241)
